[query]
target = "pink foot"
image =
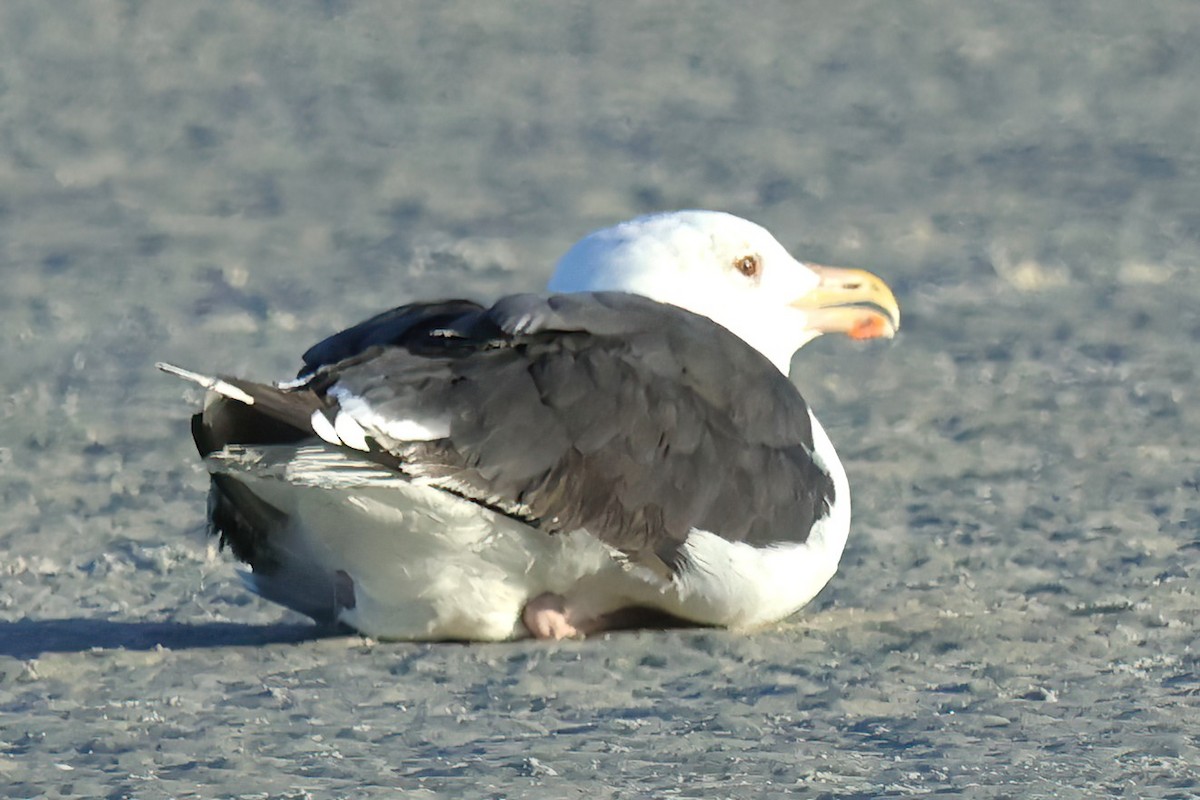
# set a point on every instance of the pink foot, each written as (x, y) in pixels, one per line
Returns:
(546, 618)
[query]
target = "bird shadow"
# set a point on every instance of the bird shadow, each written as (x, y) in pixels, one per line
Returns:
(30, 638)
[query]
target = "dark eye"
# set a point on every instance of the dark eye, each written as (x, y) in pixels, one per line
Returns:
(749, 266)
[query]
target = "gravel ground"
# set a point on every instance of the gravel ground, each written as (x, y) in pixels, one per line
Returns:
(221, 184)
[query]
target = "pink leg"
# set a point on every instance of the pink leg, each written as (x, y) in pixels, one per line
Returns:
(546, 618)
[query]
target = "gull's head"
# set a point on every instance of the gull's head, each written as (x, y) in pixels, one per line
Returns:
(734, 272)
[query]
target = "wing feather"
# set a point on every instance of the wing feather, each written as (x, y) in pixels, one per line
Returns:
(636, 421)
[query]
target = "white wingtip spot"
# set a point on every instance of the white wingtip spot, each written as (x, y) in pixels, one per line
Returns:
(411, 430)
(366, 417)
(323, 428)
(294, 383)
(350, 431)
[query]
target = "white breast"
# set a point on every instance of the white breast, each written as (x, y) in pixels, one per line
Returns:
(424, 563)
(739, 586)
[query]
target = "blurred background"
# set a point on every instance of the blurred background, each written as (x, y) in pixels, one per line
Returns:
(219, 185)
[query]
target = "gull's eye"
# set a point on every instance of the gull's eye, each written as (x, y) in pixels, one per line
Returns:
(750, 266)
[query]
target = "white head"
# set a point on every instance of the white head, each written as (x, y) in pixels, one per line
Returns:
(733, 272)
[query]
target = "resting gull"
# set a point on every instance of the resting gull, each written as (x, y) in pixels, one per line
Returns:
(556, 464)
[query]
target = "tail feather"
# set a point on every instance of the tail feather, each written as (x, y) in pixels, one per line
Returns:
(213, 384)
(244, 521)
(243, 421)
(240, 412)
(246, 412)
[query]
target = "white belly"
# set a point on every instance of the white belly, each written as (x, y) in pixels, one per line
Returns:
(424, 564)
